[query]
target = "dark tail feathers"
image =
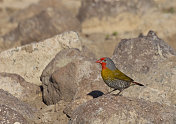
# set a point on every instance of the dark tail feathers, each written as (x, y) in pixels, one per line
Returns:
(138, 84)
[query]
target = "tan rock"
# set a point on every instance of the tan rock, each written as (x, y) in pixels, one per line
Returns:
(18, 87)
(29, 61)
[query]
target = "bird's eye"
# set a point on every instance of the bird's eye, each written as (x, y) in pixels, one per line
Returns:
(104, 60)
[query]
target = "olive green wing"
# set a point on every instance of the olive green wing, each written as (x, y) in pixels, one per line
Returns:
(121, 76)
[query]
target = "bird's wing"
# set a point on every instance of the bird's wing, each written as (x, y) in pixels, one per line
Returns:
(121, 76)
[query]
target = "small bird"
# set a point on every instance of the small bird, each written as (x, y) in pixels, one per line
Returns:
(113, 77)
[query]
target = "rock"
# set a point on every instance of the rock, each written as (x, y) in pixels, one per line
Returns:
(9, 116)
(142, 53)
(35, 29)
(69, 5)
(71, 75)
(7, 9)
(111, 109)
(29, 61)
(18, 87)
(150, 61)
(12, 12)
(18, 108)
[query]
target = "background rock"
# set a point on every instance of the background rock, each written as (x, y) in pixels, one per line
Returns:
(111, 109)
(44, 25)
(127, 19)
(7, 9)
(30, 60)
(37, 22)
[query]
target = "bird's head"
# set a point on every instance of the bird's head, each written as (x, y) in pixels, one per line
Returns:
(106, 63)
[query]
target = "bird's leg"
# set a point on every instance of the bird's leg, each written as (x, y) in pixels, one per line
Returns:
(111, 91)
(119, 92)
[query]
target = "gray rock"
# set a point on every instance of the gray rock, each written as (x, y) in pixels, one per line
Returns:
(110, 109)
(142, 53)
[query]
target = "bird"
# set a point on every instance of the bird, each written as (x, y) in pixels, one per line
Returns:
(113, 77)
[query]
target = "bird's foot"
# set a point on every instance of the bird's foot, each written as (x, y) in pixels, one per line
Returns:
(118, 94)
(110, 92)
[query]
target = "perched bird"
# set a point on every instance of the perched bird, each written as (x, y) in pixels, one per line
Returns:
(113, 77)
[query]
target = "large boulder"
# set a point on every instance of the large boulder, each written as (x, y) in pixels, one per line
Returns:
(110, 109)
(148, 60)
(29, 61)
(72, 74)
(18, 87)
(143, 53)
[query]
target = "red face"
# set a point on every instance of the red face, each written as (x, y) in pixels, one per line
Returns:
(102, 61)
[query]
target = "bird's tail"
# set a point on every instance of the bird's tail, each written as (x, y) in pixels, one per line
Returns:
(136, 83)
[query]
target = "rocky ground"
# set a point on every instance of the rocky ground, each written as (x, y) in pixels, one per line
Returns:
(48, 50)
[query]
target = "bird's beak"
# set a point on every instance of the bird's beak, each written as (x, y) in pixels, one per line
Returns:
(98, 61)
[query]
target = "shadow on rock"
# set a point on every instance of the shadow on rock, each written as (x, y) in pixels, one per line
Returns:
(95, 93)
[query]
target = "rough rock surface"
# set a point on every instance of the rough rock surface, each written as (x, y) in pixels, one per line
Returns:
(16, 106)
(29, 61)
(142, 53)
(18, 87)
(148, 60)
(70, 74)
(110, 109)
(9, 116)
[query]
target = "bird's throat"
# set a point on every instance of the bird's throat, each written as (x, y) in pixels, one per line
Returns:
(103, 66)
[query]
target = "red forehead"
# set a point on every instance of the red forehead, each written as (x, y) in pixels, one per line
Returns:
(102, 59)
